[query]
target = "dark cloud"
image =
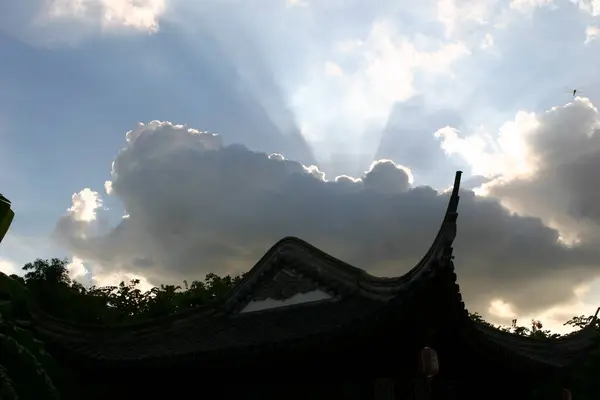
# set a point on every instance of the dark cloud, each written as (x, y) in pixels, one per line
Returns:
(196, 206)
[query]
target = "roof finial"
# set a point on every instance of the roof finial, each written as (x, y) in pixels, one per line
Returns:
(456, 186)
(453, 204)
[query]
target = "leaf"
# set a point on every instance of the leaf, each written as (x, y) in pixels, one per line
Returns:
(31, 376)
(7, 386)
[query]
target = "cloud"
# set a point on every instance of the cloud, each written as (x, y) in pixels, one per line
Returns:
(591, 33)
(76, 269)
(8, 267)
(297, 3)
(19, 249)
(79, 272)
(487, 42)
(196, 206)
(459, 16)
(407, 137)
(84, 205)
(543, 165)
(590, 6)
(140, 15)
(363, 80)
(59, 22)
(529, 5)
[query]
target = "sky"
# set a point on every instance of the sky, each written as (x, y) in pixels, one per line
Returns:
(165, 139)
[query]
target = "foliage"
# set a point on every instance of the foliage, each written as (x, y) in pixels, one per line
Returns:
(586, 374)
(535, 329)
(28, 377)
(24, 363)
(57, 294)
(7, 386)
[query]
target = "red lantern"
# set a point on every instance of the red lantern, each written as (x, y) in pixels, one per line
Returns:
(429, 362)
(566, 394)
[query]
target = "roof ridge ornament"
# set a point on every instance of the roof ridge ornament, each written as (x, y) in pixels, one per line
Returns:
(449, 224)
(594, 319)
(453, 205)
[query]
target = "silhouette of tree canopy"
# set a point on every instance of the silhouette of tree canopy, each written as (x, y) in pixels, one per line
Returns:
(57, 294)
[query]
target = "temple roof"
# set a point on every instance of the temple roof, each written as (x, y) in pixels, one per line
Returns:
(296, 292)
(554, 352)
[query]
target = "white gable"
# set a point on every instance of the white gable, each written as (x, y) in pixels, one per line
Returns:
(298, 298)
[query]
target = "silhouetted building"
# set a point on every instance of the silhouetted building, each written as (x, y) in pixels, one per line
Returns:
(304, 325)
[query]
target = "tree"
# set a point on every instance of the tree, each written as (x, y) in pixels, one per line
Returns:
(586, 374)
(24, 363)
(536, 328)
(57, 294)
(49, 282)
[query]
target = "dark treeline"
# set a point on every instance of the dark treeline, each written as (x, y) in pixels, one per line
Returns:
(53, 290)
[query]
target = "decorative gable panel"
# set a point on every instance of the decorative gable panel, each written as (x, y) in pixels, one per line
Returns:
(286, 288)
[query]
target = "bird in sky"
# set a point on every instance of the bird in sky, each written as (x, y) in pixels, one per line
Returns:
(574, 92)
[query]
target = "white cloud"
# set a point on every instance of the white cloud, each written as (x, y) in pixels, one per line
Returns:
(76, 269)
(70, 23)
(502, 313)
(349, 46)
(501, 310)
(543, 164)
(590, 6)
(108, 187)
(297, 3)
(459, 16)
(140, 15)
(333, 69)
(85, 204)
(196, 206)
(507, 154)
(591, 33)
(8, 267)
(103, 279)
(529, 5)
(487, 42)
(363, 81)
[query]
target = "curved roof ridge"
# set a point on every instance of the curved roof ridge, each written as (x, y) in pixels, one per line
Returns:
(442, 241)
(367, 283)
(442, 244)
(440, 248)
